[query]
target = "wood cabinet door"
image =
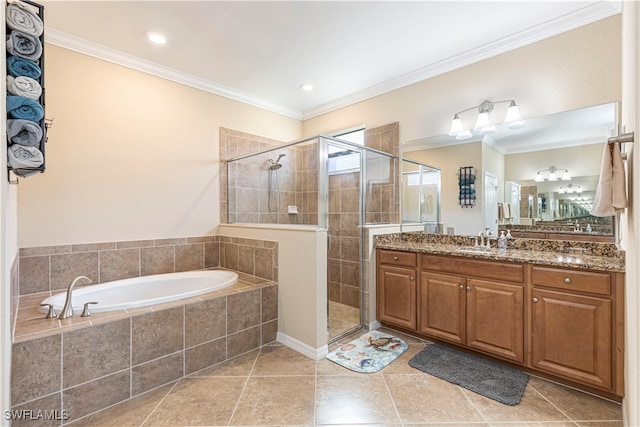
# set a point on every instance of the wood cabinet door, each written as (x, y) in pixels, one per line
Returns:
(571, 336)
(442, 306)
(495, 318)
(397, 296)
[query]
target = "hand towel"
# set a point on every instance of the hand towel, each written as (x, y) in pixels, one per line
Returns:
(619, 198)
(610, 192)
(21, 157)
(24, 45)
(24, 132)
(24, 86)
(17, 66)
(20, 107)
(21, 17)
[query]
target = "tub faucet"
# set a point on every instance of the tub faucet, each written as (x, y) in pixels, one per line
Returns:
(67, 310)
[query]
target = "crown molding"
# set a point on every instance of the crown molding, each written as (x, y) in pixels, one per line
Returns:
(584, 16)
(86, 47)
(587, 15)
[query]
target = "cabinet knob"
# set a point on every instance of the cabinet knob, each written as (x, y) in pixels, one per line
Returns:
(411, 278)
(535, 300)
(567, 280)
(468, 288)
(461, 286)
(395, 258)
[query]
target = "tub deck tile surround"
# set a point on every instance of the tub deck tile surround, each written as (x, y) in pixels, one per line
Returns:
(82, 365)
(52, 268)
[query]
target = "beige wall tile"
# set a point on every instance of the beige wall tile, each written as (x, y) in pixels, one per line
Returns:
(95, 395)
(269, 331)
(243, 310)
(269, 301)
(157, 260)
(156, 334)
(155, 373)
(90, 353)
(51, 403)
(65, 268)
(34, 274)
(205, 321)
(35, 370)
(119, 264)
(243, 341)
(189, 257)
(205, 355)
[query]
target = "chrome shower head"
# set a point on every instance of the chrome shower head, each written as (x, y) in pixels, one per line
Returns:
(276, 165)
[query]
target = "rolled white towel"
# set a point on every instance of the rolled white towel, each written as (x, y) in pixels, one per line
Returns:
(21, 17)
(21, 157)
(24, 86)
(24, 132)
(24, 45)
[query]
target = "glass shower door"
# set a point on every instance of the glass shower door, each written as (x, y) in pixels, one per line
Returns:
(344, 219)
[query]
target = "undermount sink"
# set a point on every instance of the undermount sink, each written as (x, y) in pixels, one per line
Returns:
(475, 250)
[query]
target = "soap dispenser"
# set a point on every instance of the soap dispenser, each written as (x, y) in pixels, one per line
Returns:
(502, 242)
(588, 229)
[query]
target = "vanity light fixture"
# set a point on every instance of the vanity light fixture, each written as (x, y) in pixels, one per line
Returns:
(552, 174)
(569, 189)
(513, 120)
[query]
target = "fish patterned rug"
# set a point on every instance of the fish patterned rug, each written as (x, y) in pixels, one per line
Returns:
(369, 353)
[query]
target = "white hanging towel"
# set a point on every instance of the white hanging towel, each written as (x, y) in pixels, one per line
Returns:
(611, 193)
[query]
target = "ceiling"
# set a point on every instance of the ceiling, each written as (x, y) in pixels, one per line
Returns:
(261, 52)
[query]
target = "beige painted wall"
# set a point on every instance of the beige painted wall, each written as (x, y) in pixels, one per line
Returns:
(583, 160)
(302, 279)
(576, 69)
(130, 156)
(467, 221)
(630, 220)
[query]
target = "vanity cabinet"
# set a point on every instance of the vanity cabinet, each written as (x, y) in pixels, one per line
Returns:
(479, 312)
(397, 288)
(564, 323)
(572, 324)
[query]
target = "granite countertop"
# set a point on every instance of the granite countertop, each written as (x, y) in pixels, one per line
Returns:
(580, 255)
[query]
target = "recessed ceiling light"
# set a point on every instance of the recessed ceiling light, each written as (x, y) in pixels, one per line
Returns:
(306, 86)
(156, 37)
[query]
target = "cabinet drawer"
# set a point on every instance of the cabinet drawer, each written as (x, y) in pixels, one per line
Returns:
(583, 281)
(510, 272)
(407, 259)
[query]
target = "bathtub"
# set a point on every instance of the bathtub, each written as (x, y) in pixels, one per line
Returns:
(144, 290)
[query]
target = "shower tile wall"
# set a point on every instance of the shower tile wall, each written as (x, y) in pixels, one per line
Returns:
(344, 239)
(245, 183)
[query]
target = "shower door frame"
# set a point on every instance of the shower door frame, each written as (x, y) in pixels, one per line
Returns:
(323, 210)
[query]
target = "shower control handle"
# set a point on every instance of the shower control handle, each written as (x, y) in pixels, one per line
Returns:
(85, 310)
(51, 314)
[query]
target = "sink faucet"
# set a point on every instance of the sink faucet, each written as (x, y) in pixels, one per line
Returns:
(67, 310)
(481, 235)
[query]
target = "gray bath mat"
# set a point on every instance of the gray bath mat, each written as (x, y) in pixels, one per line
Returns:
(490, 379)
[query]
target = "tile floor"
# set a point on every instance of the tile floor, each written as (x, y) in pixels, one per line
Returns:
(277, 386)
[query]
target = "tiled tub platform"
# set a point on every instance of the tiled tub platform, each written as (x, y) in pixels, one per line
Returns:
(77, 366)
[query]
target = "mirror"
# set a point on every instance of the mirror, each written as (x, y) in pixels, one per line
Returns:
(420, 194)
(507, 162)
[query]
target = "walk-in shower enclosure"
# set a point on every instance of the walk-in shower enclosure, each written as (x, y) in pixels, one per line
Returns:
(335, 184)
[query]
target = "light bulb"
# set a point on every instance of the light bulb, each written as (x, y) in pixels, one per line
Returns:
(539, 178)
(482, 122)
(456, 126)
(565, 175)
(513, 119)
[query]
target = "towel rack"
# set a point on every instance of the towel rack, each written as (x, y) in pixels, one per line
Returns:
(621, 139)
